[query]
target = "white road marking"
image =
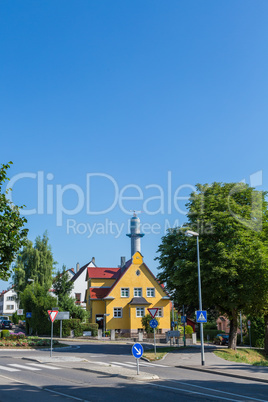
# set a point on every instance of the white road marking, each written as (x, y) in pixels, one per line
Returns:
(68, 396)
(150, 364)
(8, 368)
(43, 366)
(123, 364)
(214, 390)
(199, 393)
(20, 366)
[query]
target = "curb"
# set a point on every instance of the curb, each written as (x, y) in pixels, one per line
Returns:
(243, 377)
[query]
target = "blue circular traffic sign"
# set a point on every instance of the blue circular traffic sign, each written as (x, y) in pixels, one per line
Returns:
(137, 350)
(153, 323)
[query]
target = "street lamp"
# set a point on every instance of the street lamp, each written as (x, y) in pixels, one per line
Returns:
(190, 233)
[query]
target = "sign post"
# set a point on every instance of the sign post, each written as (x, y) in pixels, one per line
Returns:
(52, 315)
(183, 321)
(62, 315)
(153, 322)
(137, 351)
(249, 325)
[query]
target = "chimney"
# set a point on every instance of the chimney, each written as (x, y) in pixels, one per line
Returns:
(77, 267)
(123, 261)
(93, 260)
(72, 269)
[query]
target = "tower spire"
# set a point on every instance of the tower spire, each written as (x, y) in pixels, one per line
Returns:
(135, 234)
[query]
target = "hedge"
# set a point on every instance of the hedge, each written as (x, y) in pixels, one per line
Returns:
(91, 327)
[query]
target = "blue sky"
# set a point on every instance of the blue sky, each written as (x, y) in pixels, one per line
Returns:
(108, 100)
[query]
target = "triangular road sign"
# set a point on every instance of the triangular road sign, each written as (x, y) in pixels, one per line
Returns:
(52, 314)
(153, 311)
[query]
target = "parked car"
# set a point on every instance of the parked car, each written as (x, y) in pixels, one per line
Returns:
(6, 324)
(221, 339)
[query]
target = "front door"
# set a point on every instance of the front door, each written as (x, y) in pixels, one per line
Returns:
(100, 320)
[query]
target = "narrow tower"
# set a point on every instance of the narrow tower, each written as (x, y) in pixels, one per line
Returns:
(135, 234)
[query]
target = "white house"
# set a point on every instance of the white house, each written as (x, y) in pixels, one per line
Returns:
(80, 283)
(8, 302)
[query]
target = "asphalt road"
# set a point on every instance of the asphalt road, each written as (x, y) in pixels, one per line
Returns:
(23, 379)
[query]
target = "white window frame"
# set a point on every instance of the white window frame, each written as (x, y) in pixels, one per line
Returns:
(150, 292)
(140, 312)
(123, 291)
(118, 310)
(137, 290)
(160, 312)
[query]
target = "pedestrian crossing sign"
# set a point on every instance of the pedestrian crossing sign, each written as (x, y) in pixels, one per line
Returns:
(201, 316)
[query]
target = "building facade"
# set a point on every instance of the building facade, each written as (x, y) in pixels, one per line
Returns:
(8, 302)
(118, 298)
(79, 281)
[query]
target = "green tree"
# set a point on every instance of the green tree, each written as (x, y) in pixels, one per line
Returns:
(232, 222)
(13, 235)
(63, 286)
(35, 263)
(36, 299)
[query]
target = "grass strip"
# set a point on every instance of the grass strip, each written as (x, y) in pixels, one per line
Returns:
(255, 357)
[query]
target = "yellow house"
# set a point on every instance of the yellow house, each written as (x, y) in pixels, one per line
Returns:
(118, 298)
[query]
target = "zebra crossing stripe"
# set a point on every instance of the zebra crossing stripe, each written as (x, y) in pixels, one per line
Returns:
(8, 368)
(123, 364)
(43, 366)
(150, 364)
(24, 367)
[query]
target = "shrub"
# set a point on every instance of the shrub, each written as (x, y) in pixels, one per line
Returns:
(91, 327)
(69, 325)
(15, 318)
(188, 330)
(212, 333)
(145, 322)
(5, 333)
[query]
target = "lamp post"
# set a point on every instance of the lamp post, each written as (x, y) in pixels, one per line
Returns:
(190, 233)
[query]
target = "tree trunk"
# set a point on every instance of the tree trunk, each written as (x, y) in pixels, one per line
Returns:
(233, 330)
(266, 334)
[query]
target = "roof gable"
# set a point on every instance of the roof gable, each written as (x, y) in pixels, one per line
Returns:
(82, 269)
(137, 259)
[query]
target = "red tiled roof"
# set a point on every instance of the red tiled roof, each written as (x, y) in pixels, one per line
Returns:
(98, 293)
(103, 273)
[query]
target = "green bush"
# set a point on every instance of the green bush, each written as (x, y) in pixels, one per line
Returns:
(91, 327)
(145, 322)
(5, 333)
(210, 325)
(71, 325)
(212, 333)
(188, 330)
(15, 318)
